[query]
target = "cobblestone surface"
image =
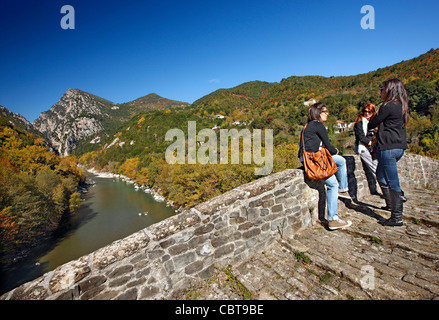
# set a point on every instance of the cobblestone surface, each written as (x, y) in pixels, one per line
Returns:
(366, 261)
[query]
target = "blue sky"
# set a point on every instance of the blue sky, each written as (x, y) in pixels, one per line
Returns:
(183, 50)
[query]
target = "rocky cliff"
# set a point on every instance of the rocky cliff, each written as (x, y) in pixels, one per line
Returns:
(80, 117)
(76, 116)
(18, 120)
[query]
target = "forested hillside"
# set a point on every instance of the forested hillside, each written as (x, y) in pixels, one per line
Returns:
(137, 149)
(37, 187)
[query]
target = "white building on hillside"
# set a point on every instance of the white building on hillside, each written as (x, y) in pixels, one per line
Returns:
(310, 102)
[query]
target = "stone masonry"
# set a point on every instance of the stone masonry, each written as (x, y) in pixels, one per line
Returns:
(169, 258)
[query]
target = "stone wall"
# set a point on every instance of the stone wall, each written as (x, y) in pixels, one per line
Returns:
(174, 254)
(422, 171)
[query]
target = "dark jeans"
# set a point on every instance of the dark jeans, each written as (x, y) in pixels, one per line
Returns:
(387, 170)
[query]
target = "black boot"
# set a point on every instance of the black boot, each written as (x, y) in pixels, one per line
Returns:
(403, 197)
(397, 208)
(386, 195)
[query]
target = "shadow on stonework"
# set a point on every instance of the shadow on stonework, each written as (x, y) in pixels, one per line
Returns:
(352, 180)
(363, 208)
(318, 185)
(354, 204)
(371, 179)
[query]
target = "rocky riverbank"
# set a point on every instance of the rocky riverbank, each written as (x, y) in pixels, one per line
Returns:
(155, 193)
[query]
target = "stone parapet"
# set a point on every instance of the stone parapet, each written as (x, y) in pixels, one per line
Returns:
(418, 170)
(171, 256)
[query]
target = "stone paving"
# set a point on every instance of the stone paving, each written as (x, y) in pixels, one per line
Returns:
(364, 262)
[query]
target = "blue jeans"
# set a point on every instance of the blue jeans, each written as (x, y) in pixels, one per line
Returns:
(335, 183)
(387, 170)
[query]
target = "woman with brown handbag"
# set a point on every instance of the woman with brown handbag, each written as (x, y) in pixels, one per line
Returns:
(314, 137)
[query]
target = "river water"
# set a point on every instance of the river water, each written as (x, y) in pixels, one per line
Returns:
(112, 209)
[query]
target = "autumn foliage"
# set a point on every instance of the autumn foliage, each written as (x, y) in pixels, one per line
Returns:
(36, 188)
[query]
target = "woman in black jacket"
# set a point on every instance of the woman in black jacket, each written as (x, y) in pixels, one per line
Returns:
(363, 136)
(315, 137)
(392, 119)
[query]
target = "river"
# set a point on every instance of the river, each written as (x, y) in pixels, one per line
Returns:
(112, 209)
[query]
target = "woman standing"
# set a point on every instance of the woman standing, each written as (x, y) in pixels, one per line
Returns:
(363, 136)
(363, 147)
(314, 137)
(392, 119)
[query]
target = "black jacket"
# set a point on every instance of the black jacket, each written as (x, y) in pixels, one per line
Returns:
(315, 132)
(360, 137)
(391, 134)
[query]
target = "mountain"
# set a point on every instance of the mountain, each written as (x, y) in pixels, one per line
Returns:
(241, 96)
(75, 116)
(337, 92)
(80, 118)
(18, 121)
(153, 101)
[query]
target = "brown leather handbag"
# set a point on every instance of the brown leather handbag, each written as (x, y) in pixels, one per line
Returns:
(318, 165)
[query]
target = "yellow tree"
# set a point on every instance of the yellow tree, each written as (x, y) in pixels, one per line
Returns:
(285, 157)
(129, 167)
(8, 227)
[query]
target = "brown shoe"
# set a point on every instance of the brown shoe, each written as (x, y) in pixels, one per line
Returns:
(344, 195)
(338, 224)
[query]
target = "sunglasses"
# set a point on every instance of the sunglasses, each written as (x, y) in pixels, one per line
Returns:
(367, 111)
(325, 111)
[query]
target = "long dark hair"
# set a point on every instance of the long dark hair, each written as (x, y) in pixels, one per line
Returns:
(315, 110)
(395, 91)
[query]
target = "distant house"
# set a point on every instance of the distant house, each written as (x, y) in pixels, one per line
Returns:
(341, 126)
(310, 102)
(219, 116)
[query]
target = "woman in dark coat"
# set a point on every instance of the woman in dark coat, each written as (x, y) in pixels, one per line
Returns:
(392, 119)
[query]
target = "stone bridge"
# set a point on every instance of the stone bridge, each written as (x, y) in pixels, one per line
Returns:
(266, 240)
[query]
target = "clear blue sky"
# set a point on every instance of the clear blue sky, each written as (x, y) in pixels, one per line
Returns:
(183, 50)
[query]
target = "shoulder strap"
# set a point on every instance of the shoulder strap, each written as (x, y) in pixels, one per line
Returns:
(303, 137)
